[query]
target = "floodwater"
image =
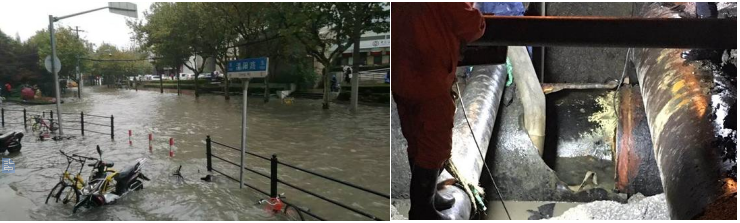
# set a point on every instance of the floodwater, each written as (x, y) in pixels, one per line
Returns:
(337, 143)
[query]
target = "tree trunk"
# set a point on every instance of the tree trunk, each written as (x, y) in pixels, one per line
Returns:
(326, 85)
(226, 82)
(178, 79)
(227, 86)
(196, 85)
(161, 85)
(267, 89)
(267, 81)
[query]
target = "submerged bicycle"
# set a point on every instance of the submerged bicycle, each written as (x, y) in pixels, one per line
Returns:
(68, 188)
(107, 185)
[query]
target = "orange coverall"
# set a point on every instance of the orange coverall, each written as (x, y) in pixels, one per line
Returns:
(426, 41)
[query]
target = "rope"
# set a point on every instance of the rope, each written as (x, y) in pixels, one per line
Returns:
(472, 133)
(464, 183)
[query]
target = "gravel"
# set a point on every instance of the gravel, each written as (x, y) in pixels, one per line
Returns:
(638, 207)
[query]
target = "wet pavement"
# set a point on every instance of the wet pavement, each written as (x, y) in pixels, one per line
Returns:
(337, 143)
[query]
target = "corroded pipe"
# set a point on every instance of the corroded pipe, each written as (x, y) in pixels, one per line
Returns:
(636, 169)
(677, 101)
(482, 96)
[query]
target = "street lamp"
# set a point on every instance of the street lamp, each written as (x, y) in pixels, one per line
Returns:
(121, 8)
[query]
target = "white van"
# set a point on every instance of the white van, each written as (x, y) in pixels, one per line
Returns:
(186, 76)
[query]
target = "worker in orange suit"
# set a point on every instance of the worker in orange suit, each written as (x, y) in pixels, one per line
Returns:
(427, 38)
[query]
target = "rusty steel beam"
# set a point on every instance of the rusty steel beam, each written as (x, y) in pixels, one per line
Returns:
(677, 95)
(636, 168)
(482, 55)
(608, 32)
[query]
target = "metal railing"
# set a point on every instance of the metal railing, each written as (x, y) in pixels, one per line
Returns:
(80, 121)
(373, 76)
(274, 179)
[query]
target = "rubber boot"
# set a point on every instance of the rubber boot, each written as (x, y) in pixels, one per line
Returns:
(423, 193)
(440, 202)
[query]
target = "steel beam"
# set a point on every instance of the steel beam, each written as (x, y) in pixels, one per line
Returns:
(608, 32)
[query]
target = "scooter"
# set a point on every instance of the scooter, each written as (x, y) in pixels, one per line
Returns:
(106, 185)
(11, 142)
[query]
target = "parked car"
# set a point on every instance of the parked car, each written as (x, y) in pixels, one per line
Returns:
(186, 76)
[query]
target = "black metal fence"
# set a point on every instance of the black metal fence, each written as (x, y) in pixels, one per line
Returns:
(274, 179)
(94, 126)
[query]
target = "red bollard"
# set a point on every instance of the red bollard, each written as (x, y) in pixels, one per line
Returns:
(150, 142)
(172, 142)
(129, 137)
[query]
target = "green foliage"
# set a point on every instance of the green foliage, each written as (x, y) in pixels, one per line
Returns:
(68, 48)
(19, 64)
(113, 63)
(284, 32)
(162, 35)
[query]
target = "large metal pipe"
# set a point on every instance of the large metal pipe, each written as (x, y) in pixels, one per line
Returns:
(678, 106)
(481, 97)
(608, 32)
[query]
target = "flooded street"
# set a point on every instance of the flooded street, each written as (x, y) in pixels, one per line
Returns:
(340, 144)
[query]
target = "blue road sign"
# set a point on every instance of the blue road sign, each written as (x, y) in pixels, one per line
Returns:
(8, 166)
(249, 68)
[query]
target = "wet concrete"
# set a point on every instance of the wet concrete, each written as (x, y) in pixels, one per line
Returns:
(338, 143)
(522, 175)
(400, 172)
(637, 208)
(17, 210)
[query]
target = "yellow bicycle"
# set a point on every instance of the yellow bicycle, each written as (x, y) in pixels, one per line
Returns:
(106, 185)
(68, 188)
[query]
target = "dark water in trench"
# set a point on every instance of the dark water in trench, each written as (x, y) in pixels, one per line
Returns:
(338, 143)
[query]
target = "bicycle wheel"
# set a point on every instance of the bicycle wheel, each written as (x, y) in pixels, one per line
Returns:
(55, 192)
(293, 214)
(71, 194)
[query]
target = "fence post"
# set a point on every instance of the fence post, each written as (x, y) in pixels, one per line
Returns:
(25, 124)
(273, 176)
(209, 167)
(111, 128)
(51, 120)
(82, 123)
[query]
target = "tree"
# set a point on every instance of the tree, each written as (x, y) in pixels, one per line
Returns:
(69, 47)
(19, 62)
(363, 17)
(163, 36)
(115, 64)
(328, 29)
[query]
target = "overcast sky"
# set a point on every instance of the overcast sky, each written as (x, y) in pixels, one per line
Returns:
(26, 17)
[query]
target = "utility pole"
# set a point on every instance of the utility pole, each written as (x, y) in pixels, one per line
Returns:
(79, 75)
(122, 8)
(54, 72)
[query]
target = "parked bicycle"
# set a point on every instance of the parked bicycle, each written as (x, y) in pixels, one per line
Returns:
(68, 188)
(39, 123)
(106, 185)
(276, 205)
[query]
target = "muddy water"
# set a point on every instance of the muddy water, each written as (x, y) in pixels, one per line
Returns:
(351, 147)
